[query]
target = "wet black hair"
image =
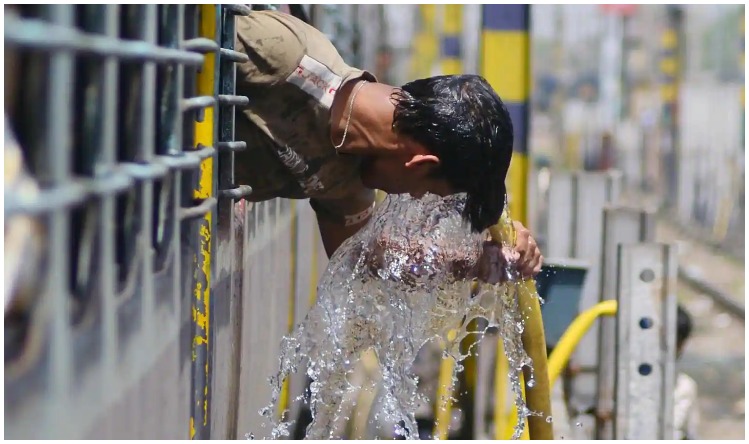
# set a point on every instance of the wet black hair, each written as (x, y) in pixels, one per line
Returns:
(461, 120)
(683, 326)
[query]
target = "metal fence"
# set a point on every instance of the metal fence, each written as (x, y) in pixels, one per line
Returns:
(157, 300)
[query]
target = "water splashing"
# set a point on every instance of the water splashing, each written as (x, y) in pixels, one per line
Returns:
(402, 281)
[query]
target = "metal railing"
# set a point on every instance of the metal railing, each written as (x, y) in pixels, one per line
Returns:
(105, 121)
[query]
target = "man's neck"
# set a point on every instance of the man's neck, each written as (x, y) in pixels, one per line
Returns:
(369, 117)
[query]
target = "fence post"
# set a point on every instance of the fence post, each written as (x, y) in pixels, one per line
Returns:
(646, 341)
(621, 225)
(593, 191)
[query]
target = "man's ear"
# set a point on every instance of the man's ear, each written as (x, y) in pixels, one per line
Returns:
(423, 160)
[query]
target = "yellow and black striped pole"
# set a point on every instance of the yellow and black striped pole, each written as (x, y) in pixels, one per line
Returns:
(450, 51)
(669, 70)
(505, 63)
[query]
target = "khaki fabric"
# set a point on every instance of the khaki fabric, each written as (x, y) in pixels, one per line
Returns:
(291, 79)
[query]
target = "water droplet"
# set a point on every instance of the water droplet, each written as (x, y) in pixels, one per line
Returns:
(579, 424)
(531, 383)
(549, 419)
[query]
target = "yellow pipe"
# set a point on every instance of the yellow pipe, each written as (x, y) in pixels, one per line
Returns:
(443, 404)
(525, 434)
(534, 342)
(444, 398)
(567, 345)
(445, 388)
(538, 399)
(574, 334)
(501, 370)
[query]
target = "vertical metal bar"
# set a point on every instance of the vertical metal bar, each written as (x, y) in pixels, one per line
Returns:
(646, 341)
(621, 225)
(166, 144)
(224, 359)
(148, 108)
(179, 288)
(146, 155)
(179, 85)
(227, 85)
(227, 297)
(107, 157)
(594, 191)
(56, 169)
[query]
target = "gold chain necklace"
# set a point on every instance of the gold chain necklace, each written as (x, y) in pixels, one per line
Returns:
(350, 112)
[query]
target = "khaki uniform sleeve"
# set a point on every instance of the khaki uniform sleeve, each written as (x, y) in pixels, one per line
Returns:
(272, 43)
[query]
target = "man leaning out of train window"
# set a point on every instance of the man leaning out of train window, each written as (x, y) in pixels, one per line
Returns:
(318, 128)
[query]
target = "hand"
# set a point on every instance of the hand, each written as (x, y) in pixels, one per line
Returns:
(525, 256)
(530, 259)
(492, 263)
